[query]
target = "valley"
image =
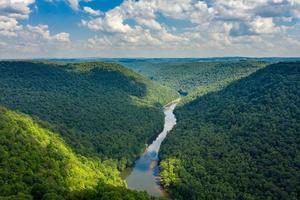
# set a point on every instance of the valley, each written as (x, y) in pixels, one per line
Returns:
(149, 100)
(69, 129)
(145, 174)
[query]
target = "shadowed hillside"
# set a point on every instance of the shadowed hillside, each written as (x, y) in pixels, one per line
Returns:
(186, 77)
(99, 109)
(239, 143)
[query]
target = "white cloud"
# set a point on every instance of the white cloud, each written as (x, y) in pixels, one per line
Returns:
(219, 24)
(15, 8)
(35, 40)
(10, 12)
(193, 26)
(112, 22)
(150, 23)
(146, 31)
(25, 39)
(97, 42)
(61, 37)
(9, 26)
(42, 32)
(168, 37)
(74, 4)
(263, 25)
(91, 11)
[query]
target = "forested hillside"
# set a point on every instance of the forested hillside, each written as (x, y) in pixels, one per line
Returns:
(37, 164)
(241, 142)
(195, 78)
(99, 109)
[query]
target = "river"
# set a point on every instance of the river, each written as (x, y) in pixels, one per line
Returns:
(144, 176)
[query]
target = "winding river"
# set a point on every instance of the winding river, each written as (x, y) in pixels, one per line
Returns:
(144, 176)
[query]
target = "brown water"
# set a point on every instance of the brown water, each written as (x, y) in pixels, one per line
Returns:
(144, 176)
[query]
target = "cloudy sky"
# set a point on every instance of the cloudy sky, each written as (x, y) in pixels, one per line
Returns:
(149, 28)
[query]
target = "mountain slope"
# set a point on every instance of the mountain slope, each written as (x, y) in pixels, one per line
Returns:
(195, 77)
(99, 109)
(239, 143)
(36, 163)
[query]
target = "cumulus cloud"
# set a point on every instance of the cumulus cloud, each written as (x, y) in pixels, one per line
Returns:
(213, 23)
(35, 40)
(112, 22)
(263, 25)
(9, 26)
(91, 11)
(15, 8)
(138, 38)
(150, 23)
(10, 12)
(25, 38)
(185, 25)
(42, 32)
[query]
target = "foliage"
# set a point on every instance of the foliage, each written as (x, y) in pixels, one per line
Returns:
(100, 109)
(111, 193)
(241, 142)
(37, 164)
(169, 168)
(194, 78)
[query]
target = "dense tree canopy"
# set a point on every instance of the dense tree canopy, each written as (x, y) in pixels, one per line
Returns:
(84, 122)
(195, 77)
(99, 109)
(242, 142)
(37, 164)
(237, 135)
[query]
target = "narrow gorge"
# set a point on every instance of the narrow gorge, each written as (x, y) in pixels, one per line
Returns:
(144, 176)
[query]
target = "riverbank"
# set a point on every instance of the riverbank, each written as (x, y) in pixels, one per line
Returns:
(145, 174)
(176, 101)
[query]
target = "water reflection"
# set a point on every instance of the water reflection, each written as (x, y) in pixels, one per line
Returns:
(144, 176)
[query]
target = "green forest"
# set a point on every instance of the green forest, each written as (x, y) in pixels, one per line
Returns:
(82, 124)
(149, 99)
(195, 78)
(37, 164)
(238, 143)
(69, 130)
(99, 109)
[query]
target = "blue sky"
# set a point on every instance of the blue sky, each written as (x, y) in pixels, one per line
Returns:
(149, 28)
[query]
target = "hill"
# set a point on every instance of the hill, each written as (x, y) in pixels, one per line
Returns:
(37, 164)
(99, 109)
(238, 143)
(195, 78)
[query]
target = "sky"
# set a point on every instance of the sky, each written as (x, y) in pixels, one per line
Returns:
(149, 28)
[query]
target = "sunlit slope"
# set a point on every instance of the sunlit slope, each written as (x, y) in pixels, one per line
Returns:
(99, 109)
(34, 160)
(239, 143)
